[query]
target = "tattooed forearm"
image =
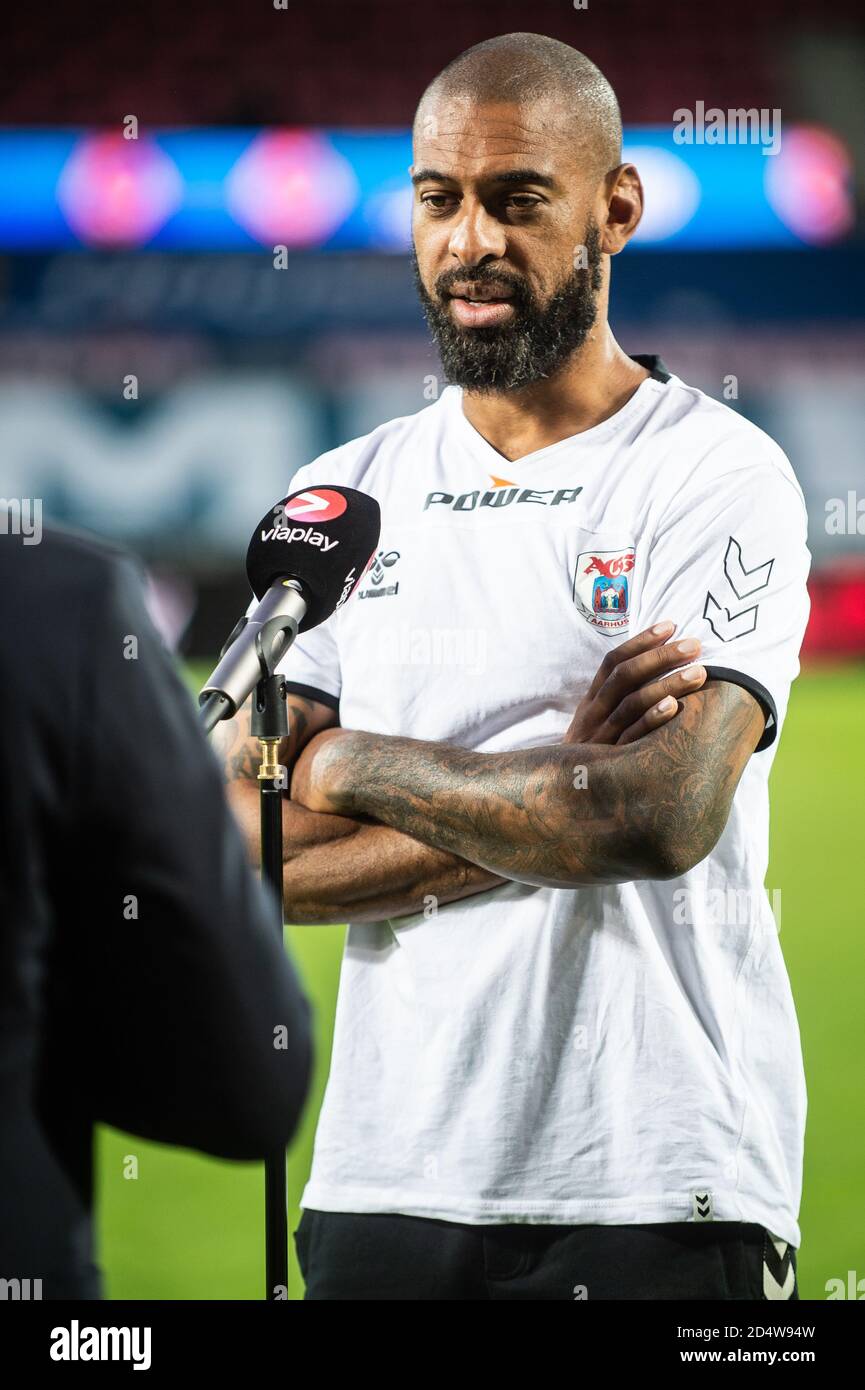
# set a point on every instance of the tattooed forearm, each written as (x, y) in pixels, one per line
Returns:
(337, 868)
(372, 874)
(704, 752)
(650, 809)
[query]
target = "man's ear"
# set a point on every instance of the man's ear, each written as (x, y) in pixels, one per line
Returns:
(624, 199)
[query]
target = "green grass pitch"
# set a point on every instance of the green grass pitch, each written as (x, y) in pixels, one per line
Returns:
(192, 1228)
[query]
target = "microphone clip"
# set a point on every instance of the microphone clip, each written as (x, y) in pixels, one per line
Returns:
(269, 716)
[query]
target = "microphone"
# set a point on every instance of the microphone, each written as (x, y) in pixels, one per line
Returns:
(306, 558)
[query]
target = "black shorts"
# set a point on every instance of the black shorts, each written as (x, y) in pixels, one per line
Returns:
(349, 1255)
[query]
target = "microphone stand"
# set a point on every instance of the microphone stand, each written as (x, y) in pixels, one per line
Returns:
(269, 724)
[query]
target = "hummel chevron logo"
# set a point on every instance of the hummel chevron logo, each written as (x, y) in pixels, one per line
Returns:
(727, 625)
(744, 582)
(779, 1276)
(703, 1206)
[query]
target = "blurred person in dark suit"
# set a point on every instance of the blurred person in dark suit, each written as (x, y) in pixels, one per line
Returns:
(142, 980)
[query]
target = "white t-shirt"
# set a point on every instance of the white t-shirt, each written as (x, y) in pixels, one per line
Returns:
(614, 1055)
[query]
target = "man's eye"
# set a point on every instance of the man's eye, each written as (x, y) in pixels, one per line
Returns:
(513, 202)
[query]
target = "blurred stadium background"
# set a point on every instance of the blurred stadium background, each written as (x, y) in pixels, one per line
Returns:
(161, 379)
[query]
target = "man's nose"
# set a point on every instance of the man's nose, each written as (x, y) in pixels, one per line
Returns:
(477, 237)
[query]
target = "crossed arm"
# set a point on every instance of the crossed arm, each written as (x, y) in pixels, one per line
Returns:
(375, 825)
(561, 816)
(338, 867)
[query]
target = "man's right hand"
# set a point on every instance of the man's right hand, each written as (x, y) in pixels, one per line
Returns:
(633, 691)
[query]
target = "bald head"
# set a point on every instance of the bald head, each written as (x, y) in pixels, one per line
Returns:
(520, 200)
(528, 68)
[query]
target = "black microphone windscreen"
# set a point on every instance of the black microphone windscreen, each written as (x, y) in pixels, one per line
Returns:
(324, 536)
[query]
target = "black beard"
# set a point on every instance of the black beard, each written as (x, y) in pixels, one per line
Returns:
(533, 346)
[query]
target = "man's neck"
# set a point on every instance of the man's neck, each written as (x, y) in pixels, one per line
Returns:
(597, 382)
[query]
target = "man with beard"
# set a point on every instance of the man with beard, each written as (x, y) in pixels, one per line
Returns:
(563, 1066)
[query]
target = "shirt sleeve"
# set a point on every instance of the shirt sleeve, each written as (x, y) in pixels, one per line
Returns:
(729, 565)
(311, 665)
